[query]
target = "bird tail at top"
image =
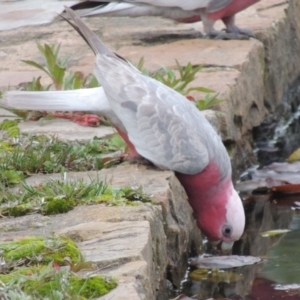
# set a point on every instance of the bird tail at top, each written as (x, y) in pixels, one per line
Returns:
(88, 35)
(89, 8)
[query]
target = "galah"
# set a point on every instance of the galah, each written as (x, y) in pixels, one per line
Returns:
(163, 127)
(187, 11)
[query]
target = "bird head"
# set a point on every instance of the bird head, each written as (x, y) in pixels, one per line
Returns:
(223, 220)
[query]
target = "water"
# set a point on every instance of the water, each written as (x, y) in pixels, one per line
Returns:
(281, 255)
(283, 262)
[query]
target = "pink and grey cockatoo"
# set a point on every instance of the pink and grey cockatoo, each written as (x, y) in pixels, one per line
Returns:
(184, 11)
(160, 125)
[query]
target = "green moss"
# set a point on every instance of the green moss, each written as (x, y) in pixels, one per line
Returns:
(23, 271)
(44, 279)
(48, 249)
(69, 250)
(40, 283)
(103, 199)
(88, 288)
(215, 276)
(58, 206)
(92, 287)
(23, 250)
(16, 211)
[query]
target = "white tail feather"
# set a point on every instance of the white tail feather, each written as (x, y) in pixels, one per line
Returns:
(93, 100)
(122, 9)
(111, 8)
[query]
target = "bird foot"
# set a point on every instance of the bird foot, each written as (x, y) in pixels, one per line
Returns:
(87, 120)
(232, 33)
(80, 118)
(137, 159)
(121, 157)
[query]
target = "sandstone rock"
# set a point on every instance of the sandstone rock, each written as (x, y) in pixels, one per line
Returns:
(111, 245)
(180, 228)
(158, 236)
(65, 129)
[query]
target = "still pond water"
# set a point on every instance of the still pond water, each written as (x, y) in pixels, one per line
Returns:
(262, 281)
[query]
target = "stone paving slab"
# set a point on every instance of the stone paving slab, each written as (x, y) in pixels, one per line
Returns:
(65, 129)
(207, 53)
(119, 242)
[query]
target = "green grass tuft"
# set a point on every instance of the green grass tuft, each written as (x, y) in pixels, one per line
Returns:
(27, 155)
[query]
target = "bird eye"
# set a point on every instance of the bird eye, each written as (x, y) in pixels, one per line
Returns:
(227, 230)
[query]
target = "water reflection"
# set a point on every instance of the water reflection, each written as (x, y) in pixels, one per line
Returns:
(283, 264)
(281, 254)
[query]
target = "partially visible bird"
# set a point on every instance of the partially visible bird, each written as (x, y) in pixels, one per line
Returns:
(161, 126)
(188, 11)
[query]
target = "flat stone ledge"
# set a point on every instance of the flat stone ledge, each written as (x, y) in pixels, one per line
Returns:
(113, 246)
(65, 130)
(154, 236)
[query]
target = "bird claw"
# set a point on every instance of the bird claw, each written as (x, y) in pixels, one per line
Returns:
(243, 31)
(234, 33)
(87, 120)
(136, 159)
(80, 118)
(231, 36)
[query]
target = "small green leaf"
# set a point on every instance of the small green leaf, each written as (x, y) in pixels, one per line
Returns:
(209, 101)
(50, 59)
(295, 156)
(36, 65)
(78, 80)
(93, 82)
(274, 232)
(56, 49)
(58, 75)
(200, 89)
(41, 49)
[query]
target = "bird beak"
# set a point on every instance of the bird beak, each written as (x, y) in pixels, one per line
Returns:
(221, 246)
(226, 247)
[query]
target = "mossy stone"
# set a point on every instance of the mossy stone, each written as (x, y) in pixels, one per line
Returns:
(51, 249)
(85, 288)
(93, 286)
(17, 211)
(58, 206)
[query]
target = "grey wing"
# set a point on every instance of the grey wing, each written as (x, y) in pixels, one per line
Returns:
(168, 139)
(216, 5)
(161, 123)
(185, 5)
